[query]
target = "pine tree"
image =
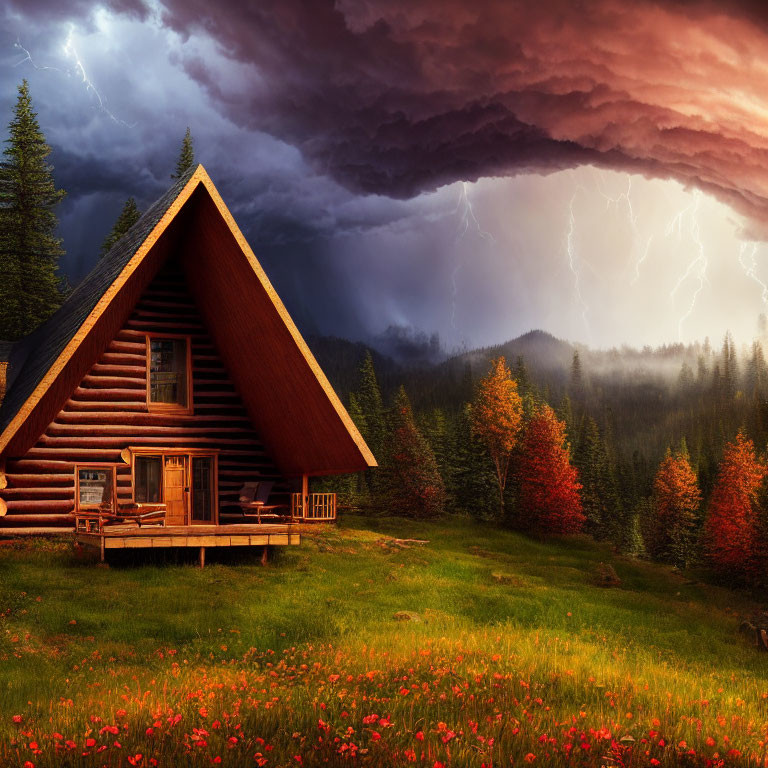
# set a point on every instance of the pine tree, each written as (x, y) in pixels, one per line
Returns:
(371, 406)
(757, 371)
(496, 419)
(732, 523)
(549, 486)
(29, 250)
(357, 483)
(576, 388)
(435, 428)
(413, 483)
(373, 427)
(473, 482)
(186, 156)
(686, 380)
(729, 368)
(599, 494)
(564, 412)
(127, 218)
(676, 502)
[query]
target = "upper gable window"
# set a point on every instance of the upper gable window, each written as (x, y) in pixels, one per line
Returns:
(169, 380)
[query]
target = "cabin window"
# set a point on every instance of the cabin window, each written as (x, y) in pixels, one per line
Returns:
(168, 370)
(95, 485)
(147, 479)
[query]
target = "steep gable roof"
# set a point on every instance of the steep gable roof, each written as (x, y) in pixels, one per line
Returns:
(286, 393)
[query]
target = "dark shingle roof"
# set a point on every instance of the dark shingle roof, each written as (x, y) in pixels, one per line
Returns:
(32, 357)
(6, 347)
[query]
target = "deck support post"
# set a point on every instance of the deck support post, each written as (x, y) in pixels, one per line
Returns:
(264, 555)
(202, 557)
(103, 550)
(305, 496)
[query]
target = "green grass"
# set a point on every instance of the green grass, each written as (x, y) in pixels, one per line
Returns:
(540, 665)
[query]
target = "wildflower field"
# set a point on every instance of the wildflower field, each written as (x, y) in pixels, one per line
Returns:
(511, 656)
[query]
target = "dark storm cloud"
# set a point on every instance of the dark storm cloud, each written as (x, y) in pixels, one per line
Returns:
(73, 8)
(399, 97)
(88, 174)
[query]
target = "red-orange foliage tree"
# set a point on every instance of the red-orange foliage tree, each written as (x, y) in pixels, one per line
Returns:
(733, 526)
(497, 413)
(549, 486)
(676, 502)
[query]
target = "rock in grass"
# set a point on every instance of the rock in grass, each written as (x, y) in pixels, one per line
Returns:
(606, 576)
(406, 616)
(505, 578)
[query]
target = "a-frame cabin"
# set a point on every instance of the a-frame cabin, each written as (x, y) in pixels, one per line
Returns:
(173, 374)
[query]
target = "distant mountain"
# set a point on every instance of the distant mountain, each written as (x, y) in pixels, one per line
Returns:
(541, 351)
(449, 383)
(441, 383)
(341, 360)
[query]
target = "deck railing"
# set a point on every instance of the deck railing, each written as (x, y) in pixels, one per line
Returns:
(319, 507)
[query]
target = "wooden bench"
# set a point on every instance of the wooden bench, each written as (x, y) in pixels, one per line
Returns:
(129, 515)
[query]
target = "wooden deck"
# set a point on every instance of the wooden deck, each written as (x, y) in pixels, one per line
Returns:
(199, 536)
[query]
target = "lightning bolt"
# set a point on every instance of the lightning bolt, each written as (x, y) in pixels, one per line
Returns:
(698, 265)
(28, 57)
(640, 261)
(624, 199)
(78, 69)
(571, 250)
(468, 220)
(750, 269)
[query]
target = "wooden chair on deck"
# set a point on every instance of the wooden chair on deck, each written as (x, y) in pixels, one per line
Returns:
(129, 515)
(253, 498)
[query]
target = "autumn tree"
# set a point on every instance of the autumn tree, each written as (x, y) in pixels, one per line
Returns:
(413, 483)
(30, 288)
(676, 503)
(732, 525)
(129, 215)
(186, 156)
(496, 418)
(549, 486)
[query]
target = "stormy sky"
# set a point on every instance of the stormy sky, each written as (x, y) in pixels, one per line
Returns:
(597, 169)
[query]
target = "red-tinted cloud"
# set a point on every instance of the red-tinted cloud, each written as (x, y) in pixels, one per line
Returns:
(397, 96)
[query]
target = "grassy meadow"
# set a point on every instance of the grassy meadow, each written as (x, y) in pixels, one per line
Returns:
(511, 655)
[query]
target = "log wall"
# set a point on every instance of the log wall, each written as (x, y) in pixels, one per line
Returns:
(108, 412)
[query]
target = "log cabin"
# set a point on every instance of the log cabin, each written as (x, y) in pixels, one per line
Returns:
(172, 375)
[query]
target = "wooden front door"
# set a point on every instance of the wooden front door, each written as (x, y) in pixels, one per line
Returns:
(176, 489)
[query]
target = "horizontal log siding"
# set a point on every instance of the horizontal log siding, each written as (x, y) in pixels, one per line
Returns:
(107, 412)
